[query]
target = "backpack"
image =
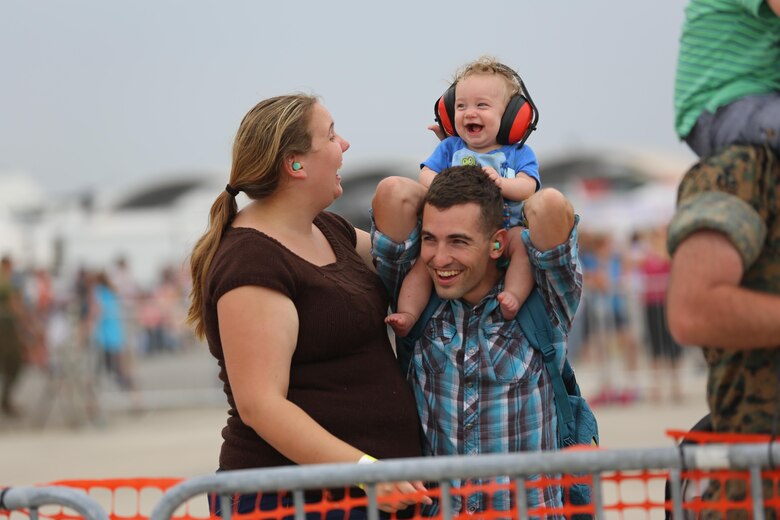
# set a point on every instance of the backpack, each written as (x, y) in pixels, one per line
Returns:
(576, 423)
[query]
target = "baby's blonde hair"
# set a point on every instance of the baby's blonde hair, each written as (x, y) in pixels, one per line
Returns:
(489, 65)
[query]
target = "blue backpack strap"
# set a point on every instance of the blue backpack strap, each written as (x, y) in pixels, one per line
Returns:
(535, 324)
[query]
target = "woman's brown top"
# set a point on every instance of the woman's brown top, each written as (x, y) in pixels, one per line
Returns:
(344, 373)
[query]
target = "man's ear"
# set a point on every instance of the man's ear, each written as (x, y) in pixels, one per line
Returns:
(498, 243)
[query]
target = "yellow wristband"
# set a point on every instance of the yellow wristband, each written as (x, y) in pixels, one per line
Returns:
(365, 459)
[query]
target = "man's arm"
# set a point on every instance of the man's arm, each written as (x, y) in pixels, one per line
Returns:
(707, 307)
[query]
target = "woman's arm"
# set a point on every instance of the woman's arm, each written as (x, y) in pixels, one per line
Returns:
(259, 329)
(363, 248)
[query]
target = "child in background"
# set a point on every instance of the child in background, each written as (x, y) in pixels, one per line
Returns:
(493, 116)
(727, 87)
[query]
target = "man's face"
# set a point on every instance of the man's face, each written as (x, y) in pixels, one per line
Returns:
(457, 252)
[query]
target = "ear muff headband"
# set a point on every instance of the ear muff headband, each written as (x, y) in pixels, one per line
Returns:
(519, 119)
(444, 110)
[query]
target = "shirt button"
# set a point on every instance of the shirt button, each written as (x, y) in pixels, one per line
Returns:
(472, 509)
(469, 384)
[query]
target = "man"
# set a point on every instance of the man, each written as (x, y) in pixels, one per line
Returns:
(725, 282)
(479, 386)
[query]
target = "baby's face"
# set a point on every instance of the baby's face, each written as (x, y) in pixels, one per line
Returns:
(480, 100)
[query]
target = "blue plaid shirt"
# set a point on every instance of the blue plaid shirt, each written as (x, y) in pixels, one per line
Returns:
(479, 385)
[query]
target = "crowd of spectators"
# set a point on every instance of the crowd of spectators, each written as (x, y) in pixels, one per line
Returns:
(621, 327)
(101, 316)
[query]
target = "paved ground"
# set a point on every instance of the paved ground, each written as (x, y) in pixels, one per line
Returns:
(176, 431)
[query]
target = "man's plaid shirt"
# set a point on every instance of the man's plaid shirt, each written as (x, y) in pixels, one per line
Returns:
(479, 386)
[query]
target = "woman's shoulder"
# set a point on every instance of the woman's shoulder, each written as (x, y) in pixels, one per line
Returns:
(248, 257)
(339, 226)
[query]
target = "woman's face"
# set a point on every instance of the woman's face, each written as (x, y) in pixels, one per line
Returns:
(324, 159)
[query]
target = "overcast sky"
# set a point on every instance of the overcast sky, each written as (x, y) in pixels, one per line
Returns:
(95, 93)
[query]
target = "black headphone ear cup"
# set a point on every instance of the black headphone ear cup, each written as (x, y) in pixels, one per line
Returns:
(518, 121)
(444, 110)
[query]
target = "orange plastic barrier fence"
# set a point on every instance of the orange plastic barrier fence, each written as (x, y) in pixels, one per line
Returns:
(704, 489)
(122, 499)
(133, 499)
(623, 495)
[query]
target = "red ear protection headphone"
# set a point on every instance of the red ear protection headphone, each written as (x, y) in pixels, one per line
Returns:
(517, 123)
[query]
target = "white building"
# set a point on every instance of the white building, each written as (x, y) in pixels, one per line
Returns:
(157, 224)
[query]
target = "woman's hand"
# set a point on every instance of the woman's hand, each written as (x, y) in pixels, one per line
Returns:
(390, 499)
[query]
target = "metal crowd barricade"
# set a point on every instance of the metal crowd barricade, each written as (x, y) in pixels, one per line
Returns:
(626, 484)
(28, 501)
(604, 468)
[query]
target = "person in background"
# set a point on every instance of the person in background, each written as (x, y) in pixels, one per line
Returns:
(286, 296)
(727, 86)
(608, 334)
(108, 331)
(12, 348)
(663, 350)
(724, 290)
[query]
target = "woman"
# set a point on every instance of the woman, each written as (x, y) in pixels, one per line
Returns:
(286, 298)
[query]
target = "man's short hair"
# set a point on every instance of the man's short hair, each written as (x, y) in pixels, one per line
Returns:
(463, 184)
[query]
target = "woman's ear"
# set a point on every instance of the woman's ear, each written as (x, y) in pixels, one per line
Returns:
(294, 167)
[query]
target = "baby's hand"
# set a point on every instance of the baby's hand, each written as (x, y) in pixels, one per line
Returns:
(493, 175)
(436, 129)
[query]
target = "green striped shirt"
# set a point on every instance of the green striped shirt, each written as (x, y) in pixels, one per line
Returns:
(728, 49)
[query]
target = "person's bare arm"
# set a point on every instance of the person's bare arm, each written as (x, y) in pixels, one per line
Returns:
(707, 307)
(259, 329)
(519, 188)
(426, 176)
(774, 5)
